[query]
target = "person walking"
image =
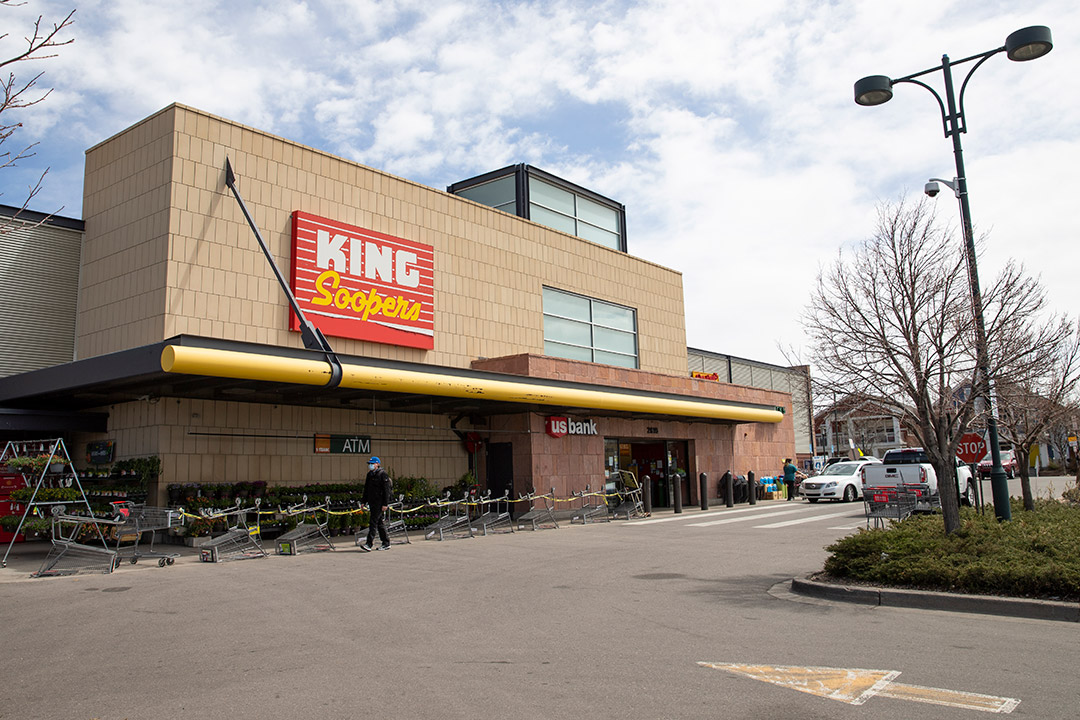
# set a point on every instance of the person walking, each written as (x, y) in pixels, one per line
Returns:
(789, 478)
(377, 493)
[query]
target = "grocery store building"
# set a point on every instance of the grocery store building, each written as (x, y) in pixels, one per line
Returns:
(499, 327)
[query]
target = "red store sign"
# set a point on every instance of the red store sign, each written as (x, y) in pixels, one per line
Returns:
(361, 284)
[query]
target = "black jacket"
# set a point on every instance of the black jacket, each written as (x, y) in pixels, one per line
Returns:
(378, 489)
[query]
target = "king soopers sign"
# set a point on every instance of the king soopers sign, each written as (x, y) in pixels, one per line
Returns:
(361, 284)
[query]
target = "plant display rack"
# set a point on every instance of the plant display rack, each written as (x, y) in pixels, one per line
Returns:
(52, 448)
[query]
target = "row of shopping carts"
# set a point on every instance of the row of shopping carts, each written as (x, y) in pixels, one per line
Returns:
(94, 543)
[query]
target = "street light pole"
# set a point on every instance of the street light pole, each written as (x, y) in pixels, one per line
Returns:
(1026, 44)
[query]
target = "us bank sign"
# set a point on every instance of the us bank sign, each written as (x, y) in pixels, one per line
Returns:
(361, 284)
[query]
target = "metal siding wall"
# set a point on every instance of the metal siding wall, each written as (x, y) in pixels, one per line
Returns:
(39, 289)
(742, 373)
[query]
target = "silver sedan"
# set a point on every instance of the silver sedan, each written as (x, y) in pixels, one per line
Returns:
(840, 481)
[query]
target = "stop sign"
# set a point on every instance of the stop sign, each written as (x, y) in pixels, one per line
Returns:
(972, 448)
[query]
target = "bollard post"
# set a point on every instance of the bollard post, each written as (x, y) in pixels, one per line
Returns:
(703, 490)
(751, 487)
(729, 489)
(646, 493)
(676, 491)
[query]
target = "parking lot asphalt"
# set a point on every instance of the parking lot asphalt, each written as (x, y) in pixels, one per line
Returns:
(611, 618)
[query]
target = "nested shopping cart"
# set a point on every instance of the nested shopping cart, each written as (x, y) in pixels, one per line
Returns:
(133, 521)
(453, 519)
(396, 527)
(627, 496)
(241, 541)
(538, 516)
(311, 534)
(78, 545)
(888, 504)
(592, 507)
(494, 515)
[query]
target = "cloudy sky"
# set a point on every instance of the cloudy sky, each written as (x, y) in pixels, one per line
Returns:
(727, 128)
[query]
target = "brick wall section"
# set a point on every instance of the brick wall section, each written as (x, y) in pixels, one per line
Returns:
(607, 375)
(572, 462)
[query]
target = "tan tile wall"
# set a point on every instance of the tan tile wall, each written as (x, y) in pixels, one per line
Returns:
(205, 441)
(126, 207)
(490, 266)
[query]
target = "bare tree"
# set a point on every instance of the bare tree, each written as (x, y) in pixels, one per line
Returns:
(1040, 393)
(893, 320)
(19, 94)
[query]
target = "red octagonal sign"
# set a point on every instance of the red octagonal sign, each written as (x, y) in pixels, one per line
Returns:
(972, 448)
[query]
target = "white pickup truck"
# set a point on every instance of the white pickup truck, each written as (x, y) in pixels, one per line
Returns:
(910, 469)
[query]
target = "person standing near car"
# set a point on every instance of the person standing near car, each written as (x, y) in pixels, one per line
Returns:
(377, 493)
(789, 478)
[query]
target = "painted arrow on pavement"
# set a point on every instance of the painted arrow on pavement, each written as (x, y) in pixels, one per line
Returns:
(855, 686)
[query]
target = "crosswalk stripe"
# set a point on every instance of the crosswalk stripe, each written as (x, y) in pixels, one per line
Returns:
(800, 521)
(674, 518)
(762, 516)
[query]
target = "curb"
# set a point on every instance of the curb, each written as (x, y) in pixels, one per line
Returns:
(929, 600)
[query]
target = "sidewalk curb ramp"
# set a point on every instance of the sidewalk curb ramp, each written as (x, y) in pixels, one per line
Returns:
(928, 600)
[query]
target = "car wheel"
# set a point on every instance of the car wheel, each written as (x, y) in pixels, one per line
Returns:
(849, 493)
(1010, 474)
(965, 499)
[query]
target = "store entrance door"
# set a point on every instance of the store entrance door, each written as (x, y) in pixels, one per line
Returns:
(500, 469)
(662, 461)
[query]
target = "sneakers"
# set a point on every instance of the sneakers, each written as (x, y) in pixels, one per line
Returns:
(366, 547)
(383, 547)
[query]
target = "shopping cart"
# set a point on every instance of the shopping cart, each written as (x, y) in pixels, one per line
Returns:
(593, 508)
(628, 493)
(396, 527)
(72, 551)
(132, 521)
(453, 519)
(888, 504)
(309, 535)
(241, 541)
(495, 516)
(538, 517)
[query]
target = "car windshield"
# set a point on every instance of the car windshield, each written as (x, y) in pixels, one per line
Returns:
(842, 469)
(905, 457)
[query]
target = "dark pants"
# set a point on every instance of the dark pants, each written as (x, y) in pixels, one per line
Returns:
(377, 521)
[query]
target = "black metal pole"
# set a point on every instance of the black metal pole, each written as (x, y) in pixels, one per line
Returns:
(703, 490)
(646, 493)
(999, 482)
(676, 491)
(729, 489)
(751, 487)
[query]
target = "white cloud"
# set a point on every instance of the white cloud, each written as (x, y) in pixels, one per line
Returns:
(734, 140)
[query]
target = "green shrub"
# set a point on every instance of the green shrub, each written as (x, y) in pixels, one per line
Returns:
(1034, 555)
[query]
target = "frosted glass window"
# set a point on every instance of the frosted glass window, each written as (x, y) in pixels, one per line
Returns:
(497, 193)
(551, 197)
(582, 328)
(596, 214)
(554, 220)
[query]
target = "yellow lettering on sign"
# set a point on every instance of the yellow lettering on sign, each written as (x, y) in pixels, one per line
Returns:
(328, 291)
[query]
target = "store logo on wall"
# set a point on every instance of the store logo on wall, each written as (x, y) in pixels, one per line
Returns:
(361, 284)
(557, 427)
(715, 377)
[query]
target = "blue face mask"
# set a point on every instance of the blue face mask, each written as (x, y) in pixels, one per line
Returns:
(372, 466)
